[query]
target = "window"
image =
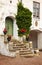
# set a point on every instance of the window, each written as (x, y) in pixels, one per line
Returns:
(10, 1)
(36, 9)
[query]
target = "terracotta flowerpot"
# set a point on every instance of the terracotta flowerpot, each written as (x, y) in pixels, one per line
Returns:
(9, 38)
(4, 33)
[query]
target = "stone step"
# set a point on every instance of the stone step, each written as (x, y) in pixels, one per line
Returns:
(25, 50)
(12, 50)
(19, 45)
(27, 55)
(16, 47)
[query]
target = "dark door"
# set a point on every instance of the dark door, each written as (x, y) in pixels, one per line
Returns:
(9, 26)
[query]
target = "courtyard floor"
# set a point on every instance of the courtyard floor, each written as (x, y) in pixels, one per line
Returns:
(37, 60)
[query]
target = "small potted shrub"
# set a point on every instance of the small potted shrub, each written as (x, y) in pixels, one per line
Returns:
(9, 38)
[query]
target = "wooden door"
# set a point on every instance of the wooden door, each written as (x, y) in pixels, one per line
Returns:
(9, 26)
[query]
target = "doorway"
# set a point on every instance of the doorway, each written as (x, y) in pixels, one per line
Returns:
(9, 25)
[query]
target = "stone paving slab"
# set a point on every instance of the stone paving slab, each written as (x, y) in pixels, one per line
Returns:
(37, 60)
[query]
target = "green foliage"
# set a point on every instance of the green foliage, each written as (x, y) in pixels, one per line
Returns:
(23, 19)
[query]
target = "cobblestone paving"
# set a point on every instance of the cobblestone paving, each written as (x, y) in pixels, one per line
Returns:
(21, 60)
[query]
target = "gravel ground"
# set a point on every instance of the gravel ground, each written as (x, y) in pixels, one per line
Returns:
(37, 60)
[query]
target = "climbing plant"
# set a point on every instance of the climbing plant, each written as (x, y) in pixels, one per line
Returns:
(23, 19)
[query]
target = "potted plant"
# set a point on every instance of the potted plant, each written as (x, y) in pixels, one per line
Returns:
(5, 36)
(22, 31)
(9, 38)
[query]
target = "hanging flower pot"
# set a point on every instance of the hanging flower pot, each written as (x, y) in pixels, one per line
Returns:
(5, 31)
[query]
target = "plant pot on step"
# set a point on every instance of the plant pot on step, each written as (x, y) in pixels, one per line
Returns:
(9, 38)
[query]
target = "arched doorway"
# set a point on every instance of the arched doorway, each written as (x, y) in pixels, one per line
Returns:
(9, 25)
(34, 38)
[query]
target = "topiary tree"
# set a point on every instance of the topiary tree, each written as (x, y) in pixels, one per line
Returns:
(23, 19)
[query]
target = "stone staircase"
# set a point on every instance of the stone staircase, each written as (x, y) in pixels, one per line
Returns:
(21, 48)
(15, 47)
